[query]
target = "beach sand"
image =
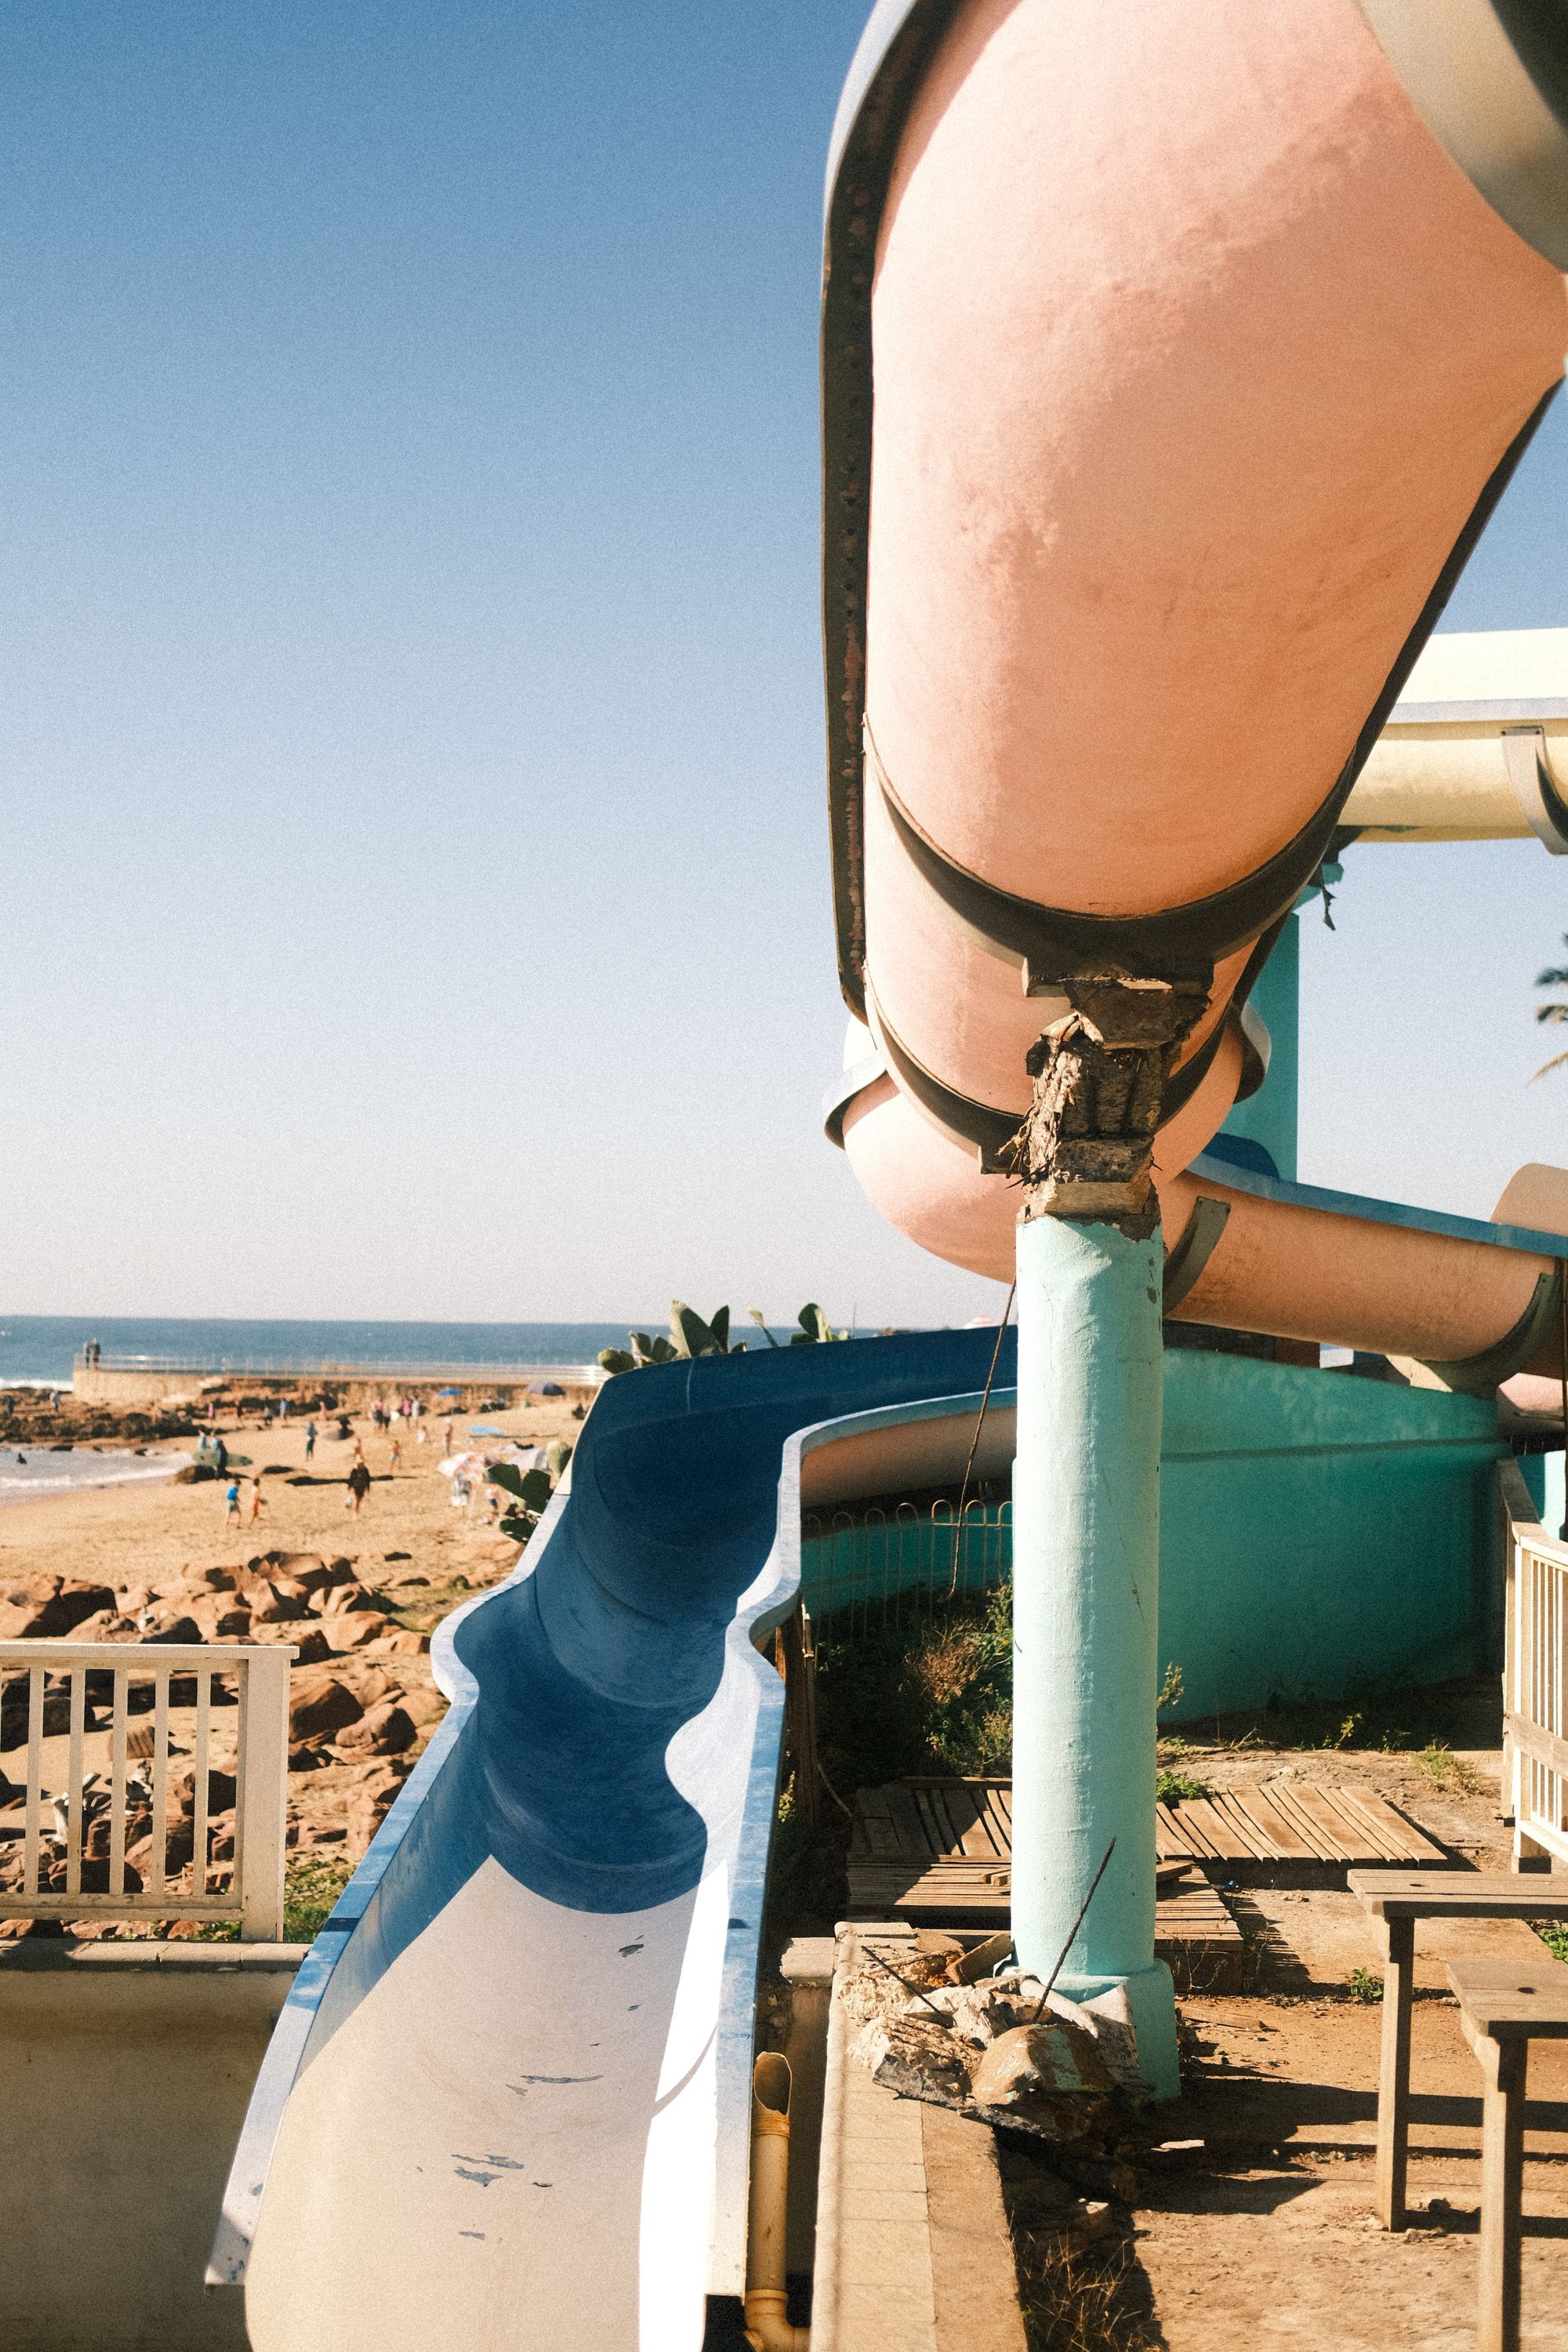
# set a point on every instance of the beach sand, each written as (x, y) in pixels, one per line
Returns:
(408, 1544)
(147, 1534)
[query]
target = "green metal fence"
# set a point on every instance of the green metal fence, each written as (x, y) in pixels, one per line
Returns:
(875, 1566)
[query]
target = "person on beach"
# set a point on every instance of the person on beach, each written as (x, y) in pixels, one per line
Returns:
(255, 1499)
(359, 1486)
(231, 1502)
(397, 1453)
(421, 1435)
(447, 1447)
(310, 1441)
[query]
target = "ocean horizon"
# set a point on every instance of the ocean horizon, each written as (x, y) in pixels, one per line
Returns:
(38, 1350)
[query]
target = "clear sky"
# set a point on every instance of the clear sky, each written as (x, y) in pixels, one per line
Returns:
(414, 892)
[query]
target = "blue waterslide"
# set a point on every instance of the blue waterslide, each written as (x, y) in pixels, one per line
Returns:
(508, 2101)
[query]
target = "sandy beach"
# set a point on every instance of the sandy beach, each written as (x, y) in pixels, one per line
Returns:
(419, 1556)
(147, 1534)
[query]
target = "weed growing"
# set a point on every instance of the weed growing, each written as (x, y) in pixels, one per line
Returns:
(1365, 1986)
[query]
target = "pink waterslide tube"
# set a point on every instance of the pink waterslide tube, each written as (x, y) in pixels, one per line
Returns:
(1174, 357)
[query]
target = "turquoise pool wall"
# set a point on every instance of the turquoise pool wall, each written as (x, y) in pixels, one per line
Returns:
(1317, 1530)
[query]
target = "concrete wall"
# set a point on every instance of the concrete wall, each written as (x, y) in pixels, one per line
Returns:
(124, 2074)
(1318, 1528)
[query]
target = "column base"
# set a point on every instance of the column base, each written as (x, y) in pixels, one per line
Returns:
(1151, 1998)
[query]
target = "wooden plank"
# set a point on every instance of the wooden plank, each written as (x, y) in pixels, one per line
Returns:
(1255, 1839)
(1225, 1842)
(1534, 1740)
(1408, 1842)
(1343, 1841)
(1461, 1894)
(906, 1814)
(1169, 1840)
(965, 1809)
(936, 1823)
(1318, 1836)
(1389, 1844)
(998, 1823)
(1289, 1843)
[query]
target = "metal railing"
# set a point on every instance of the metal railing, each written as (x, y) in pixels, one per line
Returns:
(131, 1839)
(303, 1368)
(868, 1568)
(1535, 1676)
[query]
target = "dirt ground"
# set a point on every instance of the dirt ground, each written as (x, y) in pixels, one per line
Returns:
(1252, 2220)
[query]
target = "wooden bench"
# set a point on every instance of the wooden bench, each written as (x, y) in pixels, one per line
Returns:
(1399, 1898)
(1503, 2006)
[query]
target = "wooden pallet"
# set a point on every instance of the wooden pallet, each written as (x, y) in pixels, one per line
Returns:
(944, 1847)
(1288, 1823)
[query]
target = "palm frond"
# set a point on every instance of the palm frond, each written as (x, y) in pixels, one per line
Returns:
(1554, 1064)
(1556, 1013)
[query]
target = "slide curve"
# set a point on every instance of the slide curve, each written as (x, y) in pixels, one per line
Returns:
(514, 2077)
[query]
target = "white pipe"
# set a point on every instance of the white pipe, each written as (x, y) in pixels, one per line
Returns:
(767, 2329)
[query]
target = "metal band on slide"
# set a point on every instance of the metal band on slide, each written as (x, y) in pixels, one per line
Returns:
(1051, 943)
(1186, 1257)
(1479, 1375)
(1535, 787)
(1489, 79)
(981, 1127)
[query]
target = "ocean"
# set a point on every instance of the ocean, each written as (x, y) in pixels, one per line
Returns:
(30, 1472)
(36, 1350)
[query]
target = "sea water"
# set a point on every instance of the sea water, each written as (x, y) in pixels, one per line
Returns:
(36, 1350)
(29, 1473)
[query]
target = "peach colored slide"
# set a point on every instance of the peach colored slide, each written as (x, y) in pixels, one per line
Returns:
(1199, 362)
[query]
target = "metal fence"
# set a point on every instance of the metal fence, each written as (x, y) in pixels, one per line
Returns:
(140, 1835)
(863, 1569)
(303, 1368)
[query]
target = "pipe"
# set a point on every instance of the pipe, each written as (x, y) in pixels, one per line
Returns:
(767, 2329)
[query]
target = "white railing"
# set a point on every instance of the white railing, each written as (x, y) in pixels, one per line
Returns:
(1535, 1677)
(75, 1843)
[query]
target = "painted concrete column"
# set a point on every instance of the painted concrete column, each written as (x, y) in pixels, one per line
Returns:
(1086, 1570)
(1085, 1494)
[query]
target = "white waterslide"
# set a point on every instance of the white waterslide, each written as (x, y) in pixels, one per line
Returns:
(508, 2098)
(1173, 356)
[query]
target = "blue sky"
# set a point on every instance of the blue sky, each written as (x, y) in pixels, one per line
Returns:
(413, 870)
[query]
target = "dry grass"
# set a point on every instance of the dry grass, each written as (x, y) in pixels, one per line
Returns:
(942, 1667)
(1093, 2301)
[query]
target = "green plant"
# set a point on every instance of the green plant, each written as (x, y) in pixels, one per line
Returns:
(1171, 1688)
(1437, 1763)
(311, 1889)
(1169, 1784)
(1364, 1986)
(530, 1489)
(1553, 1934)
(689, 1337)
(813, 1326)
(1555, 1015)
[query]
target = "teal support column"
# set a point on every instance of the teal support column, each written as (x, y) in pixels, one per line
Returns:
(1270, 1116)
(1086, 1574)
